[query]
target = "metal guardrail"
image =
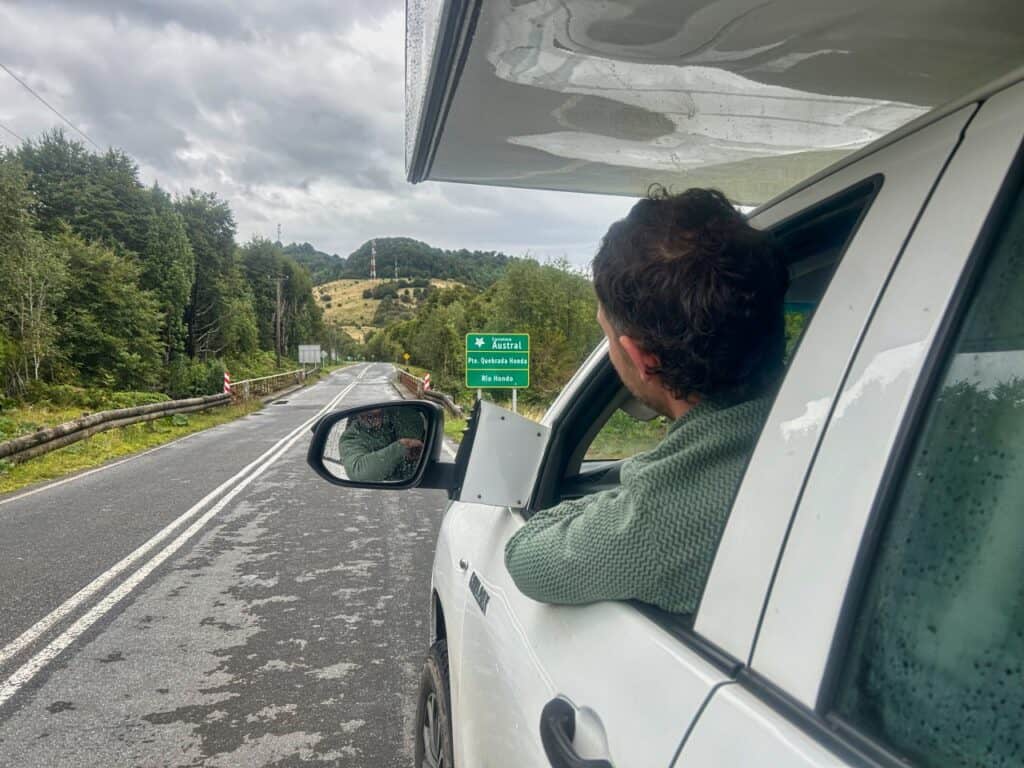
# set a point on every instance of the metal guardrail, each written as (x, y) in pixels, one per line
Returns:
(414, 385)
(52, 438)
(267, 385)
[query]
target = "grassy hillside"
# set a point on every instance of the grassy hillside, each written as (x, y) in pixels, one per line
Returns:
(344, 305)
(412, 258)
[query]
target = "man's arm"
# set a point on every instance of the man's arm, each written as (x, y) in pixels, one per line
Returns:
(364, 465)
(602, 547)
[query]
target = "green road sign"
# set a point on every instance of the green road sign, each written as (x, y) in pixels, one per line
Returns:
(497, 360)
(498, 379)
(476, 361)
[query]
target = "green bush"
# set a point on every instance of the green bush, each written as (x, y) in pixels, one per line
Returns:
(89, 398)
(192, 378)
(262, 363)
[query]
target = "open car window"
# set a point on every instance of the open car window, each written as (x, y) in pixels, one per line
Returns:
(624, 435)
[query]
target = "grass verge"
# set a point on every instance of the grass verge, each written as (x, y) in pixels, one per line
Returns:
(453, 428)
(106, 446)
(623, 436)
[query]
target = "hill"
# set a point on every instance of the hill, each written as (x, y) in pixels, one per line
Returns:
(411, 258)
(346, 304)
(322, 267)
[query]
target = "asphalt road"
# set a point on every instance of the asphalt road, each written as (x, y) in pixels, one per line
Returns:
(210, 604)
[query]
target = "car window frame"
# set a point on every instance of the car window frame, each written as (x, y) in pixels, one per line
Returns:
(768, 499)
(802, 612)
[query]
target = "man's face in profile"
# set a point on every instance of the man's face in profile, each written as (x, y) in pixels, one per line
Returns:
(647, 390)
(623, 365)
(372, 418)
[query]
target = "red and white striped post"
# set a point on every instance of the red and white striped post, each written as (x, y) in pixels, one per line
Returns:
(227, 383)
(426, 381)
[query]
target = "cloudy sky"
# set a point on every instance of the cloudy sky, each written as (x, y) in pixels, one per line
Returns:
(292, 111)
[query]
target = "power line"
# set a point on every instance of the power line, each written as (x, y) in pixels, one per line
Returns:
(11, 132)
(28, 88)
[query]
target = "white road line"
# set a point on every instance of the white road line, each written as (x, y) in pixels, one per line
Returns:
(105, 467)
(76, 600)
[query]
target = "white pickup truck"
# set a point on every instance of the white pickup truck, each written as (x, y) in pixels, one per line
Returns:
(866, 602)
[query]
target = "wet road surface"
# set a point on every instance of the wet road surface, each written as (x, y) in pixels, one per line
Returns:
(288, 629)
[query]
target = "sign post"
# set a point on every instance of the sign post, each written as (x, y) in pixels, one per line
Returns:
(309, 353)
(498, 361)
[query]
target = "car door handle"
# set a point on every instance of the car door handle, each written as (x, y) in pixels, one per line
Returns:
(557, 730)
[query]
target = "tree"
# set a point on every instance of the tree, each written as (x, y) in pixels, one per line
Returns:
(211, 328)
(238, 335)
(552, 302)
(98, 196)
(336, 342)
(287, 319)
(419, 260)
(168, 269)
(557, 307)
(109, 325)
(303, 317)
(59, 171)
(261, 264)
(32, 285)
(31, 282)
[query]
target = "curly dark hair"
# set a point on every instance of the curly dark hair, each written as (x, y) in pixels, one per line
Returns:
(689, 280)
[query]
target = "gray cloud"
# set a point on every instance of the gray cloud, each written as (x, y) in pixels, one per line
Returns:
(291, 111)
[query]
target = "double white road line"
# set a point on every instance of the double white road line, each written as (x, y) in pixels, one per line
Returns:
(233, 486)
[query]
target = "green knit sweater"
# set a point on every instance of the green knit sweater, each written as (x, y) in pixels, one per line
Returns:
(653, 538)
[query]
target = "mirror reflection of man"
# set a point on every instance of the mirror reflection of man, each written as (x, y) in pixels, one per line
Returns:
(383, 444)
(691, 299)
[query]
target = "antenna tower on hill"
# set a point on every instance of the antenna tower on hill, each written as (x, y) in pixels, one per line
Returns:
(373, 259)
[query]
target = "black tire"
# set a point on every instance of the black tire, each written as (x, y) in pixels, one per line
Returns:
(434, 747)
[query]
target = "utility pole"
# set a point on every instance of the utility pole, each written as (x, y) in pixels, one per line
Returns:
(278, 321)
(279, 233)
(396, 268)
(373, 259)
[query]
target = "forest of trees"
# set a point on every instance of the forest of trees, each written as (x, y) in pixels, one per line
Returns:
(108, 283)
(414, 259)
(552, 302)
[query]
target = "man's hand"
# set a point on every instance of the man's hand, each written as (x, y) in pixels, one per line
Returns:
(413, 447)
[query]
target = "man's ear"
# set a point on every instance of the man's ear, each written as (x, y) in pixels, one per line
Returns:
(644, 361)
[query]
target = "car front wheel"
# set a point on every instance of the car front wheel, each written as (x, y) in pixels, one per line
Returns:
(433, 712)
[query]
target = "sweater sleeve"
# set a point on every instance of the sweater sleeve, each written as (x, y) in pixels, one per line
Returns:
(365, 466)
(602, 547)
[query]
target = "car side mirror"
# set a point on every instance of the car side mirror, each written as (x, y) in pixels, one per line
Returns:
(387, 445)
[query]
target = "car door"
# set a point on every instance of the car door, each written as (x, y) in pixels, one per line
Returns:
(892, 632)
(635, 683)
(617, 686)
